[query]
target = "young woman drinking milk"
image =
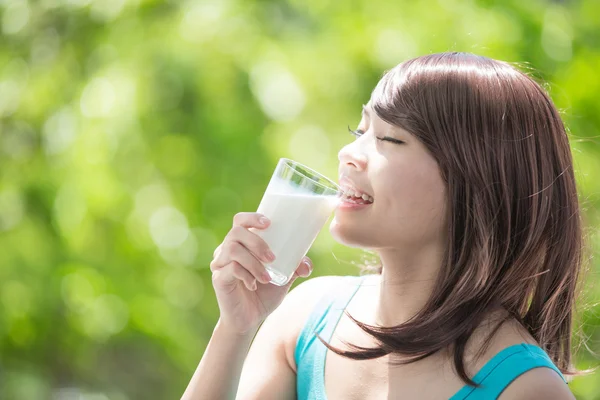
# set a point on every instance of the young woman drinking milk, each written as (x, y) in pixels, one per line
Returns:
(472, 208)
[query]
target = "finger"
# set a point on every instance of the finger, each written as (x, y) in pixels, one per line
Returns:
(217, 251)
(234, 272)
(235, 251)
(305, 268)
(222, 257)
(243, 275)
(251, 220)
(252, 242)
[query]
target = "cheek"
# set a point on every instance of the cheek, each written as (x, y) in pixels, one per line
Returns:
(418, 199)
(426, 193)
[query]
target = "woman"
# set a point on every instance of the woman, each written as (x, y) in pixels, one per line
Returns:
(475, 218)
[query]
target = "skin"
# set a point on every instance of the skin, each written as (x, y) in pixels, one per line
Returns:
(405, 225)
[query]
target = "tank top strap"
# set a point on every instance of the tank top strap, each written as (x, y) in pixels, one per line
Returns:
(328, 308)
(310, 352)
(505, 367)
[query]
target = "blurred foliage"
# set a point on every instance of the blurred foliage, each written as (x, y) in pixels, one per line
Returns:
(131, 131)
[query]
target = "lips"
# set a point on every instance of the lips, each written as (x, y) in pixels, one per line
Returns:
(353, 192)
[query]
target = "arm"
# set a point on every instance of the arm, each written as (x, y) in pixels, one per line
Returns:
(267, 371)
(219, 370)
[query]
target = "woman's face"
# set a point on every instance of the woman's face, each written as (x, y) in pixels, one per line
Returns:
(408, 211)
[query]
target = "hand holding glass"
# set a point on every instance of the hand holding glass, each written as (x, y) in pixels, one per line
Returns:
(298, 201)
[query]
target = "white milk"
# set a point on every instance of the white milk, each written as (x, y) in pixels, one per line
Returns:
(296, 219)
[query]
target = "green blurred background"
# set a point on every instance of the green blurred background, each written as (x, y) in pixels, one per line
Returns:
(131, 132)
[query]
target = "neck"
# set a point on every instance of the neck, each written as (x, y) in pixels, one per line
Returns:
(406, 283)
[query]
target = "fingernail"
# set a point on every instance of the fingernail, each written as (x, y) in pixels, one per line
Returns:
(263, 220)
(266, 277)
(270, 256)
(307, 263)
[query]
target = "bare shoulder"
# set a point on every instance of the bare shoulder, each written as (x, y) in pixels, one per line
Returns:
(292, 313)
(310, 291)
(538, 383)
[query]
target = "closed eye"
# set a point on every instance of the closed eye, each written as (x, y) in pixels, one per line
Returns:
(359, 133)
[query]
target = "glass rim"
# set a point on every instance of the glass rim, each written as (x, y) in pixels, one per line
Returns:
(335, 187)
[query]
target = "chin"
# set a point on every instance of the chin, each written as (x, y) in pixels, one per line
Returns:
(348, 235)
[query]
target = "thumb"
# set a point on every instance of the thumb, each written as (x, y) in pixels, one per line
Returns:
(303, 270)
(305, 267)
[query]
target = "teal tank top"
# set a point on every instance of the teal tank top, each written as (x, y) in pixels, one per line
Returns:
(310, 353)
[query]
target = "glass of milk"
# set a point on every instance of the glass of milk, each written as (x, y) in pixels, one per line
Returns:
(298, 201)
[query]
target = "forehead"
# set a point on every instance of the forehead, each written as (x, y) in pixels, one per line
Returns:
(371, 115)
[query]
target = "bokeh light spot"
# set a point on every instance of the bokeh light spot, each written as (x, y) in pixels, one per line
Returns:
(168, 227)
(98, 98)
(81, 287)
(59, 131)
(311, 144)
(184, 254)
(107, 315)
(45, 47)
(15, 17)
(10, 94)
(278, 91)
(393, 46)
(12, 209)
(106, 10)
(557, 35)
(200, 20)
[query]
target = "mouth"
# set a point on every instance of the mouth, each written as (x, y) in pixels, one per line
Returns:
(354, 196)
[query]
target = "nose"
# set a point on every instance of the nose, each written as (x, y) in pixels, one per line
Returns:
(351, 156)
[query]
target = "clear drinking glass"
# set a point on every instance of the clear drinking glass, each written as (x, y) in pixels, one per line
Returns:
(298, 201)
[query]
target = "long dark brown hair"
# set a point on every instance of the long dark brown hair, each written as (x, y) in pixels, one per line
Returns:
(514, 223)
